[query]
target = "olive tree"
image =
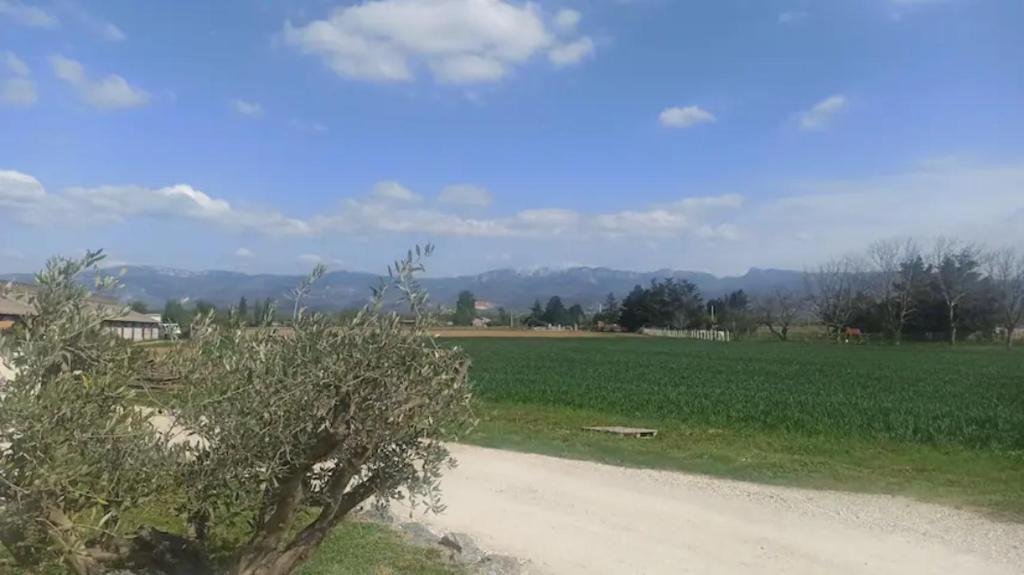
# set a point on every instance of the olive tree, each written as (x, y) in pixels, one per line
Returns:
(320, 417)
(74, 454)
(286, 431)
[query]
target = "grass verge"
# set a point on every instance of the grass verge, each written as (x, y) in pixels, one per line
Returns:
(354, 548)
(990, 482)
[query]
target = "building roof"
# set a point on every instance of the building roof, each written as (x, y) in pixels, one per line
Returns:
(15, 307)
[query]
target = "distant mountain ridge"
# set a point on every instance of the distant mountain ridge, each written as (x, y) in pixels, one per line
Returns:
(512, 289)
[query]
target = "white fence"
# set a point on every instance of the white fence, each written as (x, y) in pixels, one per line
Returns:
(702, 334)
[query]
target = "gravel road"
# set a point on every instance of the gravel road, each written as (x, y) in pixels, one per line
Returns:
(574, 517)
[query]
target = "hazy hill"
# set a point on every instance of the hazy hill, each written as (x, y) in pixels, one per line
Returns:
(512, 289)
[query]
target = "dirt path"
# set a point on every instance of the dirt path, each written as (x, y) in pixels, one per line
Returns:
(572, 517)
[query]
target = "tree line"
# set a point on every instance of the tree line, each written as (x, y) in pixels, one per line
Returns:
(895, 289)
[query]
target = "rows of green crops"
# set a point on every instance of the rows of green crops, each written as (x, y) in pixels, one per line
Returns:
(970, 396)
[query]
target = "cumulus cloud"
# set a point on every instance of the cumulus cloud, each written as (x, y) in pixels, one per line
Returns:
(571, 53)
(14, 65)
(26, 198)
(244, 253)
(388, 208)
(248, 109)
(465, 195)
(685, 117)
(459, 41)
(566, 20)
(18, 190)
(821, 115)
(26, 15)
(98, 27)
(797, 224)
(110, 92)
(395, 192)
(669, 220)
(16, 85)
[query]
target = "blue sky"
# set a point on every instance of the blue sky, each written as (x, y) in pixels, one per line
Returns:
(637, 134)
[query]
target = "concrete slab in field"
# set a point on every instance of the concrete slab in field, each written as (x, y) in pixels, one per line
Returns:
(625, 431)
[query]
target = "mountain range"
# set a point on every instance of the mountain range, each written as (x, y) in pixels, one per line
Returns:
(512, 289)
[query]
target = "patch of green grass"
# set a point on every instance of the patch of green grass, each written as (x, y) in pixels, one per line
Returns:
(353, 548)
(358, 548)
(922, 420)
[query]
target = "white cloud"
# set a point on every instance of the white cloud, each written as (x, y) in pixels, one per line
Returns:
(980, 203)
(249, 109)
(111, 32)
(388, 208)
(465, 195)
(459, 41)
(792, 17)
(18, 190)
(25, 15)
(305, 126)
(796, 225)
(685, 117)
(244, 253)
(19, 92)
(110, 92)
(393, 191)
(566, 20)
(668, 220)
(571, 53)
(16, 87)
(15, 65)
(820, 116)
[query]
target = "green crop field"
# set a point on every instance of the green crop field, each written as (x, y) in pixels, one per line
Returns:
(921, 420)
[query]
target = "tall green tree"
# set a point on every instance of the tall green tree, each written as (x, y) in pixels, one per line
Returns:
(669, 303)
(465, 308)
(204, 307)
(138, 306)
(609, 310)
(576, 314)
(175, 312)
(535, 316)
(504, 317)
(555, 312)
(242, 309)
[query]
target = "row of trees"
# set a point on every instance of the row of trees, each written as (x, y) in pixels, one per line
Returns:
(176, 312)
(555, 313)
(897, 288)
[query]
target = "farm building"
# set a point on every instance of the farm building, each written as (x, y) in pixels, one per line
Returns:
(130, 325)
(11, 311)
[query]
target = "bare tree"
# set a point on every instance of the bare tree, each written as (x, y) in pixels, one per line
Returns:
(894, 278)
(831, 291)
(955, 269)
(777, 311)
(1005, 269)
